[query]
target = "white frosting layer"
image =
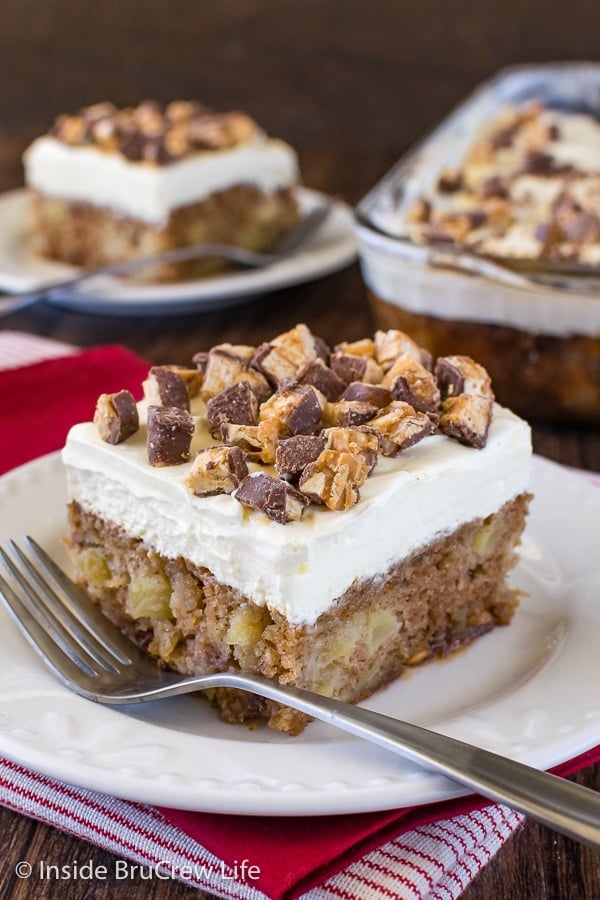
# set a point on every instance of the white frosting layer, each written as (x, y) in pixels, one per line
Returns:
(299, 569)
(150, 192)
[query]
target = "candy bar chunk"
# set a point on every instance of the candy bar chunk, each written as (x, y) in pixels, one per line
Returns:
(347, 413)
(245, 437)
(374, 394)
(116, 417)
(236, 404)
(297, 407)
(170, 432)
(467, 418)
(274, 497)
(293, 454)
(419, 212)
(364, 347)
(321, 376)
(334, 479)
(400, 426)
(192, 379)
(462, 375)
(217, 470)
(411, 382)
(582, 228)
(287, 355)
(259, 442)
(450, 180)
(322, 348)
(362, 441)
(353, 367)
(200, 360)
(164, 386)
(389, 345)
(229, 364)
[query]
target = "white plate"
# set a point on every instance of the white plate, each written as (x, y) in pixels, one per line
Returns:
(530, 691)
(332, 247)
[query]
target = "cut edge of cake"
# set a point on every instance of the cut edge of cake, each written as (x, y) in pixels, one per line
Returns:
(312, 592)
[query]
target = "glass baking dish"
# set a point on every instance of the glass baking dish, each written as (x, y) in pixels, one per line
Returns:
(535, 324)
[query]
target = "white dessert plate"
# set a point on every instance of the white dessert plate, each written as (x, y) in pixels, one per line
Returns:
(332, 248)
(530, 691)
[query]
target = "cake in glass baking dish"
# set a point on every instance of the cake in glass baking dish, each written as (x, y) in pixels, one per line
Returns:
(527, 189)
(485, 239)
(323, 516)
(112, 184)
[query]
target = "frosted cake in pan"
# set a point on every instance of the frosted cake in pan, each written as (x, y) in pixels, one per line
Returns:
(485, 239)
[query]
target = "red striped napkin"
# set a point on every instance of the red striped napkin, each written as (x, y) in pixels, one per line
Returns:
(422, 852)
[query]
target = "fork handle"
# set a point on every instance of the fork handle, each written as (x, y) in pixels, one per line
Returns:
(561, 805)
(248, 259)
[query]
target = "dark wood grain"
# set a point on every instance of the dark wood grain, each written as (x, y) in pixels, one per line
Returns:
(352, 85)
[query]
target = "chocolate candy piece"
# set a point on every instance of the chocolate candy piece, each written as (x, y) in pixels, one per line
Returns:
(294, 453)
(200, 360)
(116, 417)
(363, 347)
(400, 426)
(170, 432)
(228, 364)
(411, 382)
(373, 394)
(362, 441)
(287, 355)
(450, 180)
(164, 386)
(217, 470)
(460, 374)
(449, 377)
(298, 408)
(334, 479)
(391, 344)
(468, 404)
(466, 418)
(236, 404)
(272, 496)
(346, 413)
(246, 437)
(350, 367)
(324, 379)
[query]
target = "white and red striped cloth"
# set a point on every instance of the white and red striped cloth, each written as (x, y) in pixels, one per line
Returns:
(434, 861)
(433, 858)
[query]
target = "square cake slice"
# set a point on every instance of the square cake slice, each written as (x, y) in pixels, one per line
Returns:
(112, 184)
(324, 517)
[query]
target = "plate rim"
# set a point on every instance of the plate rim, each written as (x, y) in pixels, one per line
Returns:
(319, 259)
(292, 799)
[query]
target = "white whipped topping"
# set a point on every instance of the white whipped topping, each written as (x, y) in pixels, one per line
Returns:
(301, 568)
(150, 192)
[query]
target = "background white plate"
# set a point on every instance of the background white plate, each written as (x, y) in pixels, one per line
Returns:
(331, 248)
(530, 691)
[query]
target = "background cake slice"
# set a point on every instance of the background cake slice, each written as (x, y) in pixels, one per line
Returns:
(108, 184)
(267, 524)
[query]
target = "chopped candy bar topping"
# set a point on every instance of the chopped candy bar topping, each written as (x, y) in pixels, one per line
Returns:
(116, 417)
(318, 419)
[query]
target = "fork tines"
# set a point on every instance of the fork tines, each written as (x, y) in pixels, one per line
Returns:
(59, 621)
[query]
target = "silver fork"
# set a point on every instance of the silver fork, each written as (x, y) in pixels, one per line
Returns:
(91, 657)
(290, 243)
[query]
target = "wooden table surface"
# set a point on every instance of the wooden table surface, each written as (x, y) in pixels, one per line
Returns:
(351, 89)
